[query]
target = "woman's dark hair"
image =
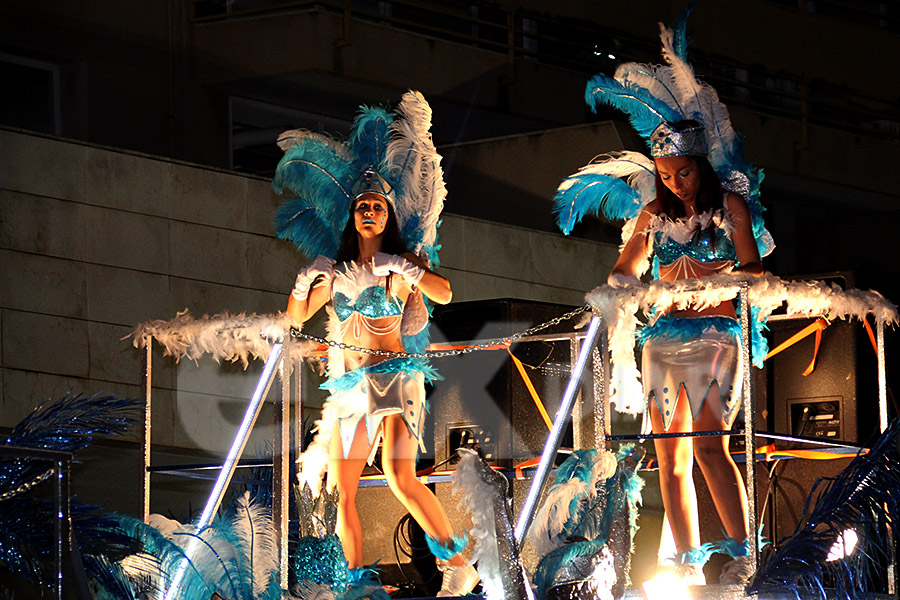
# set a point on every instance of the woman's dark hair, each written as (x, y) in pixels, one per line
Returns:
(709, 196)
(391, 242)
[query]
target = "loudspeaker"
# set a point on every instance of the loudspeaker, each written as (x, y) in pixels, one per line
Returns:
(823, 404)
(482, 399)
(782, 487)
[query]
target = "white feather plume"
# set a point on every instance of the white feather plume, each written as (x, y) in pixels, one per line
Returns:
(252, 524)
(700, 102)
(478, 497)
(556, 508)
(656, 79)
(412, 157)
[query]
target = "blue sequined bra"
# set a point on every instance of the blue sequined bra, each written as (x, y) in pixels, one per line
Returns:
(700, 247)
(355, 289)
(682, 252)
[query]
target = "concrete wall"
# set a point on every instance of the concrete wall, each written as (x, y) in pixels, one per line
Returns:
(94, 241)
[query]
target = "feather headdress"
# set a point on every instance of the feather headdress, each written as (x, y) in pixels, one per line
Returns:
(318, 177)
(652, 95)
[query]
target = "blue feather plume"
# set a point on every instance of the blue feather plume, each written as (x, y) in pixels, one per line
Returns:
(863, 498)
(316, 175)
(370, 136)
(68, 424)
(594, 194)
(644, 110)
(680, 40)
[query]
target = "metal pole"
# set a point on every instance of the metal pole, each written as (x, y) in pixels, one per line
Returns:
(883, 424)
(234, 453)
(555, 438)
(578, 435)
(749, 426)
(147, 432)
(280, 472)
(62, 528)
(882, 377)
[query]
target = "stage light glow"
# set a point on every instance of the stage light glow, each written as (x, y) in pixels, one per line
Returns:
(559, 423)
(843, 546)
(666, 586)
(611, 56)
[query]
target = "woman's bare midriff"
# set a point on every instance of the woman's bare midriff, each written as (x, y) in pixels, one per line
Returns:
(390, 343)
(725, 309)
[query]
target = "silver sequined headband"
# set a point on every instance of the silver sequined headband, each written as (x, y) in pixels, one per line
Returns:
(687, 140)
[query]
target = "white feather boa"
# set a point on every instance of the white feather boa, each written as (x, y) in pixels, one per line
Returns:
(619, 308)
(231, 337)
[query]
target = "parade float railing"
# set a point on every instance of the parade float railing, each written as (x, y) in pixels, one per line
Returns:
(233, 338)
(607, 343)
(618, 309)
(242, 338)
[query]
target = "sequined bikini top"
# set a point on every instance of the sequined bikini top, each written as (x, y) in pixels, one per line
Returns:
(683, 253)
(355, 289)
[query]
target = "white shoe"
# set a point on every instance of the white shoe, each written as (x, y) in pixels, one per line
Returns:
(458, 581)
(737, 571)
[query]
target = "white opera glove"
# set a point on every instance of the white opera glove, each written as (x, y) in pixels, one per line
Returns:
(322, 266)
(382, 264)
(618, 280)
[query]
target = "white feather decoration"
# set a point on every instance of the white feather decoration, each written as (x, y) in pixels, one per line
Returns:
(478, 497)
(231, 337)
(701, 102)
(252, 524)
(550, 519)
(656, 79)
(411, 155)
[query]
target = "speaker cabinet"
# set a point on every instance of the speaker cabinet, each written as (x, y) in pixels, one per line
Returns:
(824, 404)
(482, 399)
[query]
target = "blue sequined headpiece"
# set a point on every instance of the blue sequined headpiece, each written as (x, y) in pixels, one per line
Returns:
(370, 182)
(687, 138)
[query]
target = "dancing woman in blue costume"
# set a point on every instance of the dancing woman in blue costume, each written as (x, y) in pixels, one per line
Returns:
(691, 361)
(373, 288)
(692, 211)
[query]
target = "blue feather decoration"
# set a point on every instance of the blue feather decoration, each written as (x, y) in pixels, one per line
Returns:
(644, 110)
(68, 424)
(370, 136)
(302, 224)
(681, 42)
(316, 175)
(594, 194)
(27, 543)
(863, 498)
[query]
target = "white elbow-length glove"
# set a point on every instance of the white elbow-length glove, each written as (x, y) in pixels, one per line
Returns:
(382, 264)
(322, 266)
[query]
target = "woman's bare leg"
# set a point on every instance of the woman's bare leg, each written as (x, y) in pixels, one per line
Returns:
(676, 463)
(399, 461)
(343, 474)
(726, 486)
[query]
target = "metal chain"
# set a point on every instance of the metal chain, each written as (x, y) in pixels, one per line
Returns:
(296, 333)
(27, 485)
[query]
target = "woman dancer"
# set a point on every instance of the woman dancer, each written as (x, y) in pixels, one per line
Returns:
(374, 287)
(692, 228)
